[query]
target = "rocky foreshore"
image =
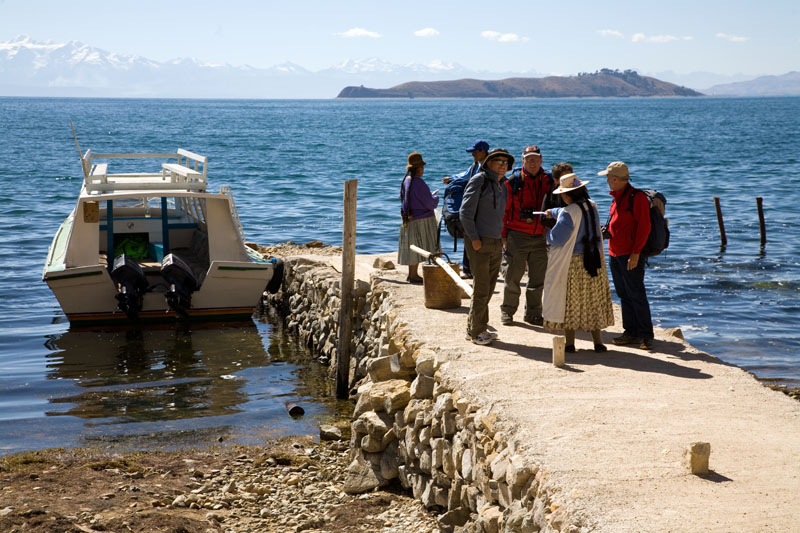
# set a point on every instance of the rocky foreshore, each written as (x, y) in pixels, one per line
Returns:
(409, 426)
(295, 485)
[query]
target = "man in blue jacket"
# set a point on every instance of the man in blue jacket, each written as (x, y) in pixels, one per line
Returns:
(454, 192)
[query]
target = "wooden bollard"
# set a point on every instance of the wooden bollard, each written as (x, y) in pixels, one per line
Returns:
(761, 225)
(697, 454)
(347, 285)
(559, 343)
(720, 222)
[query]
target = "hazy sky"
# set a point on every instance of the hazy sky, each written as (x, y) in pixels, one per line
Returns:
(566, 37)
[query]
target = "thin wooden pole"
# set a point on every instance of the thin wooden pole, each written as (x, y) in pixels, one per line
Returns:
(761, 224)
(348, 281)
(721, 223)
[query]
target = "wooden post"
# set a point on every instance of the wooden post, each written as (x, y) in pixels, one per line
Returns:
(761, 224)
(348, 280)
(721, 223)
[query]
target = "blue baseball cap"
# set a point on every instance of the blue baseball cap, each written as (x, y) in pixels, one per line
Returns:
(480, 144)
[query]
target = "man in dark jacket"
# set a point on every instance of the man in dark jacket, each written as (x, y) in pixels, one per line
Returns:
(523, 233)
(482, 217)
(629, 227)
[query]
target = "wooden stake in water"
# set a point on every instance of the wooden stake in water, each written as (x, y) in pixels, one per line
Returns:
(348, 281)
(721, 223)
(761, 224)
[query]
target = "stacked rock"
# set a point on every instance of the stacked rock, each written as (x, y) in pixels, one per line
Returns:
(409, 424)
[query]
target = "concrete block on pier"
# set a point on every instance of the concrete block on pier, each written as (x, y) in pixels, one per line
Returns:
(697, 454)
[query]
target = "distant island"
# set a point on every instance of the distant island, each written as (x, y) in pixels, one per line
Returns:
(603, 83)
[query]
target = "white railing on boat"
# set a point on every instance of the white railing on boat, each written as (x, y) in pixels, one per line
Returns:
(226, 190)
(187, 173)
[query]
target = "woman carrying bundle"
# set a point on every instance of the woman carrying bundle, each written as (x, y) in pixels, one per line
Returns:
(576, 290)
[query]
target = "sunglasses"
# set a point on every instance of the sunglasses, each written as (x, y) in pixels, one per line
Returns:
(501, 161)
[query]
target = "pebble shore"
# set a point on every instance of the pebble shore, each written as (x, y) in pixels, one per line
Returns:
(290, 486)
(252, 496)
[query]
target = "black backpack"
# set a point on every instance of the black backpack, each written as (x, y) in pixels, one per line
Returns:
(451, 220)
(658, 240)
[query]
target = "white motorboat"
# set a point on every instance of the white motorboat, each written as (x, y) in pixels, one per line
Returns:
(154, 246)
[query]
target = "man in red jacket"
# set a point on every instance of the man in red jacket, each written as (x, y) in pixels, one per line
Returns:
(523, 235)
(629, 227)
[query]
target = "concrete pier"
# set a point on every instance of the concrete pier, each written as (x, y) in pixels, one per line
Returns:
(497, 438)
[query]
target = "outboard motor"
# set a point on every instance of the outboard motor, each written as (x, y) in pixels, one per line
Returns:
(131, 285)
(182, 284)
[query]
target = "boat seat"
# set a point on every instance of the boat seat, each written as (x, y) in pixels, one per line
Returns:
(94, 173)
(173, 170)
(99, 170)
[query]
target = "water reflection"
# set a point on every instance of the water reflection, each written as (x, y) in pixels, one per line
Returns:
(147, 375)
(175, 387)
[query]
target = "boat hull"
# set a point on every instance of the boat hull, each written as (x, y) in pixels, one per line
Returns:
(231, 291)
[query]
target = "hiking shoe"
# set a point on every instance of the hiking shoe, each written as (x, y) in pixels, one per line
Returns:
(624, 339)
(492, 335)
(536, 321)
(506, 319)
(483, 339)
(647, 344)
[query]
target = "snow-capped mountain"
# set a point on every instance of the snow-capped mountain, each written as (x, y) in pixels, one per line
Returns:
(44, 68)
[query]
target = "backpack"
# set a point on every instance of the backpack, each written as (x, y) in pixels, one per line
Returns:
(452, 221)
(658, 240)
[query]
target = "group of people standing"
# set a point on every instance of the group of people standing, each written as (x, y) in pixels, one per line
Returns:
(545, 223)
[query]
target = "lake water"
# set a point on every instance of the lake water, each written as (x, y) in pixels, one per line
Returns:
(286, 162)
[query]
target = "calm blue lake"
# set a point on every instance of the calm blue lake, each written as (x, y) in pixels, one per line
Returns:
(286, 162)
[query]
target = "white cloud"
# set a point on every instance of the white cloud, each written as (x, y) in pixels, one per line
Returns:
(732, 38)
(641, 37)
(353, 33)
(688, 38)
(662, 38)
(426, 32)
(610, 33)
(502, 37)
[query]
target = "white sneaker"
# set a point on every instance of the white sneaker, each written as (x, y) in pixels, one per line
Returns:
(493, 335)
(483, 339)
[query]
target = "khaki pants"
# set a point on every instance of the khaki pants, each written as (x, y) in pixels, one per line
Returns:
(523, 250)
(485, 266)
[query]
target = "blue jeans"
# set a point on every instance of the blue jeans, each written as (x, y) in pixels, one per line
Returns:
(629, 286)
(465, 260)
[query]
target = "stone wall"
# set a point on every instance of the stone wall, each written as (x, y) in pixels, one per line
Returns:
(409, 425)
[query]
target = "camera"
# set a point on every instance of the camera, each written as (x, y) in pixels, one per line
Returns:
(526, 214)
